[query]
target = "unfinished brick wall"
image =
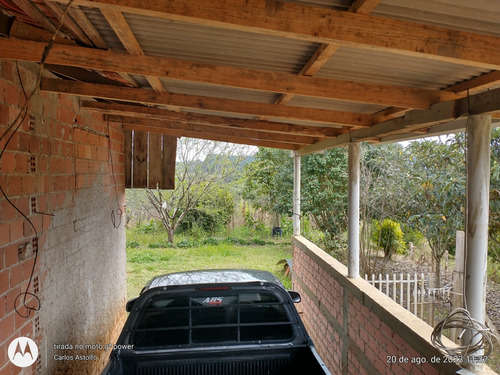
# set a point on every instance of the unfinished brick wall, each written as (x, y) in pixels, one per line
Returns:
(57, 171)
(356, 328)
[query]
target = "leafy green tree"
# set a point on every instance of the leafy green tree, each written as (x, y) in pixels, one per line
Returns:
(494, 229)
(437, 195)
(324, 193)
(269, 185)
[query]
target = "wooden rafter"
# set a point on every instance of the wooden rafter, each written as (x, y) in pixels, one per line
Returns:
(325, 51)
(485, 102)
(225, 75)
(364, 6)
(217, 130)
(122, 29)
(158, 113)
(320, 25)
(321, 116)
(69, 23)
(181, 130)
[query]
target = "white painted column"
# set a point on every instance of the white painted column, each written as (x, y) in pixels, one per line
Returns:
(296, 194)
(353, 210)
(476, 231)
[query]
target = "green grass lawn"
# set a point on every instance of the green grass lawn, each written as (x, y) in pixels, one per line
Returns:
(144, 262)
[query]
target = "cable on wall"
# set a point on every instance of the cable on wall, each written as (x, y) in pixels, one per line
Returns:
(118, 212)
(12, 129)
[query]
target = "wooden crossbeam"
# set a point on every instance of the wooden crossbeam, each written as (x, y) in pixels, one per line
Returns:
(122, 29)
(321, 25)
(165, 114)
(293, 139)
(92, 90)
(225, 75)
(485, 102)
(174, 131)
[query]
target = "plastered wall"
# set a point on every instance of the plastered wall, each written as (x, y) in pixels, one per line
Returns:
(57, 170)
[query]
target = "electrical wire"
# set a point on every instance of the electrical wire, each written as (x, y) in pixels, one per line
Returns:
(461, 319)
(119, 211)
(36, 307)
(40, 70)
(12, 129)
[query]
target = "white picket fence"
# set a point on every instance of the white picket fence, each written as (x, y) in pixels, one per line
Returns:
(414, 292)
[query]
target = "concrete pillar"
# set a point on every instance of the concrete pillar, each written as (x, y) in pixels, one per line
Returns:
(353, 211)
(296, 194)
(476, 231)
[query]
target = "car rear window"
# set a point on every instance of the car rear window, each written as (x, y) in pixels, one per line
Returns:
(215, 318)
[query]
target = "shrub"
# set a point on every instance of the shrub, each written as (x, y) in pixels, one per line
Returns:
(388, 236)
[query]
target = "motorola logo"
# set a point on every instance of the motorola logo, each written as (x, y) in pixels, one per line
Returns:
(23, 352)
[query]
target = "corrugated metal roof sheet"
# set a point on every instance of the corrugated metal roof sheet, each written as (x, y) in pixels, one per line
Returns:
(335, 105)
(480, 16)
(201, 43)
(224, 92)
(394, 69)
(95, 16)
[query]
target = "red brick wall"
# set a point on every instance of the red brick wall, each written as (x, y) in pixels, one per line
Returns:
(56, 170)
(356, 328)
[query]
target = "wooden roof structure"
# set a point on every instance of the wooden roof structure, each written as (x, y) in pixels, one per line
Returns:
(297, 75)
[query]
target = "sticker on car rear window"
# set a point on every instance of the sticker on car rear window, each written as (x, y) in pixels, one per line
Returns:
(215, 300)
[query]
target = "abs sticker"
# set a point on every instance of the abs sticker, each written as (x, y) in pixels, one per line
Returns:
(213, 301)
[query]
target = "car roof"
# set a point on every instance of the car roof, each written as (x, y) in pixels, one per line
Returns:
(212, 276)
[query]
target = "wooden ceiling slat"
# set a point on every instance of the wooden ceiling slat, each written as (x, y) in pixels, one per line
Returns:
(169, 153)
(205, 103)
(227, 76)
(140, 160)
(321, 25)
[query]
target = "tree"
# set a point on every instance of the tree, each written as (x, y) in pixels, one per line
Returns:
(324, 193)
(437, 195)
(202, 166)
(383, 171)
(269, 185)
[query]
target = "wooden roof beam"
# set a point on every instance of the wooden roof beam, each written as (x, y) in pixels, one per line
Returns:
(122, 29)
(325, 51)
(440, 113)
(165, 114)
(144, 96)
(321, 25)
(178, 129)
(364, 6)
(225, 75)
